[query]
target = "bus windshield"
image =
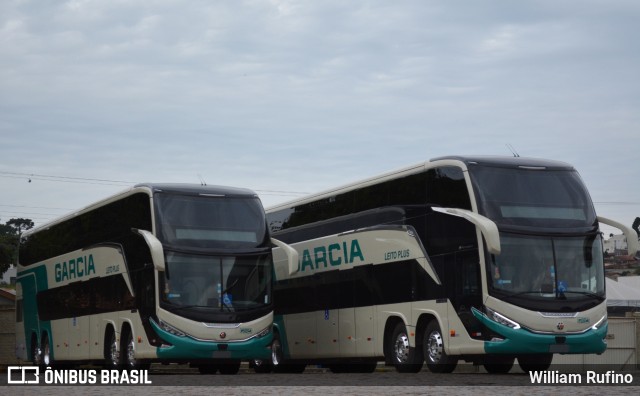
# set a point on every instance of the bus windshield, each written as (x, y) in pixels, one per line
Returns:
(532, 197)
(532, 269)
(201, 221)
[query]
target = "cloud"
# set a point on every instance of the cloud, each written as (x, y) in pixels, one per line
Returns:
(288, 95)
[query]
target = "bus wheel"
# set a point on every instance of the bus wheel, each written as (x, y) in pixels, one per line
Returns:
(230, 368)
(36, 352)
(495, 364)
(208, 369)
(46, 350)
(366, 368)
(276, 351)
(261, 366)
(433, 343)
(277, 359)
(535, 362)
(405, 358)
(112, 353)
(130, 361)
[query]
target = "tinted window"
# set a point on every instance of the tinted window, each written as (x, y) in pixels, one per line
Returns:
(516, 196)
(202, 221)
(108, 223)
(446, 187)
(409, 190)
(98, 295)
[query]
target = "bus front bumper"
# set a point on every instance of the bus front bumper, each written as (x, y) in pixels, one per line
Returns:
(523, 341)
(187, 348)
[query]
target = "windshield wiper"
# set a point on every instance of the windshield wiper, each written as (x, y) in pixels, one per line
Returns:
(585, 293)
(230, 287)
(175, 307)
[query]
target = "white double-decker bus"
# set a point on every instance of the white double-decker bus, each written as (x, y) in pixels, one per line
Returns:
(482, 259)
(160, 272)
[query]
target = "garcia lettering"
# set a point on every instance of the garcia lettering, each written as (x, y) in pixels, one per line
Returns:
(333, 255)
(75, 268)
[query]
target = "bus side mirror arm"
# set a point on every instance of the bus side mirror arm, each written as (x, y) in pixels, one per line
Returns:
(632, 238)
(488, 228)
(155, 247)
(292, 255)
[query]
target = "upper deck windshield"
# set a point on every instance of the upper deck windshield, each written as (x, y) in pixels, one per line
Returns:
(202, 221)
(524, 197)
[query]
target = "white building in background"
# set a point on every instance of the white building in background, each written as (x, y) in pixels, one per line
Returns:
(9, 277)
(616, 245)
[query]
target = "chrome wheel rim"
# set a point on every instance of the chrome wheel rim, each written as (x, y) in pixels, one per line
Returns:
(276, 352)
(401, 348)
(435, 347)
(37, 355)
(46, 353)
(131, 353)
(114, 354)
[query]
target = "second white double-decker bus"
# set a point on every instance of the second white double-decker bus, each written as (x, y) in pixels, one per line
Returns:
(483, 259)
(159, 272)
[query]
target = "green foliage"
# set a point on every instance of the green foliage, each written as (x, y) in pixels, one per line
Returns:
(10, 233)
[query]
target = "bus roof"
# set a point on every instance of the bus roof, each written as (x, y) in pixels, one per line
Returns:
(198, 189)
(151, 187)
(499, 161)
(504, 161)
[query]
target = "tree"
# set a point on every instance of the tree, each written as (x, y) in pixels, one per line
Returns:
(10, 234)
(20, 225)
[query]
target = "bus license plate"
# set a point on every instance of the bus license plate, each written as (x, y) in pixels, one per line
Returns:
(559, 348)
(221, 354)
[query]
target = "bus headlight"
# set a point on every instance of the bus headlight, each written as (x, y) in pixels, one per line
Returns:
(503, 320)
(601, 323)
(264, 332)
(170, 329)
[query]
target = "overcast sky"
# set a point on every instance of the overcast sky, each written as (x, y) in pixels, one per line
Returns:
(301, 96)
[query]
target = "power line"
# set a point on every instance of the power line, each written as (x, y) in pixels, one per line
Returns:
(27, 213)
(617, 203)
(86, 180)
(34, 218)
(33, 207)
(63, 179)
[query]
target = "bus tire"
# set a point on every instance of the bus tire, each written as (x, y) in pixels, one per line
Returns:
(496, 364)
(261, 366)
(208, 369)
(111, 351)
(36, 352)
(535, 362)
(230, 368)
(433, 346)
(277, 359)
(45, 350)
(129, 348)
(404, 358)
